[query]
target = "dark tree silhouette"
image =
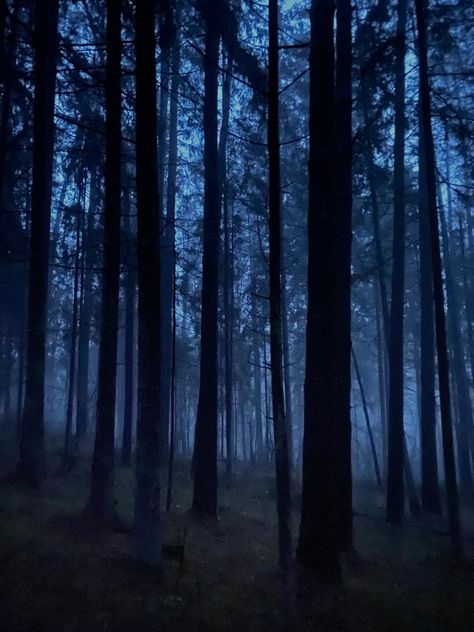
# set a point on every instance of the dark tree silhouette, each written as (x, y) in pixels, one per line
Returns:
(101, 492)
(429, 163)
(146, 527)
(324, 500)
(342, 265)
(205, 446)
(129, 351)
(396, 440)
(31, 462)
(280, 432)
(430, 497)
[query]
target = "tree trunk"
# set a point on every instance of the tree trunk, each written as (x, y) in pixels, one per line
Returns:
(101, 492)
(342, 267)
(31, 462)
(459, 367)
(280, 431)
(430, 497)
(440, 317)
(227, 272)
(8, 64)
(172, 449)
(205, 448)
(166, 41)
(373, 449)
(287, 363)
(82, 414)
(320, 534)
(168, 246)
(396, 434)
(129, 356)
(381, 380)
(257, 374)
(146, 527)
(468, 298)
(68, 456)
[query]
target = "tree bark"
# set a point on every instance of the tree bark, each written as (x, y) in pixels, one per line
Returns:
(396, 433)
(205, 448)
(31, 462)
(68, 455)
(257, 374)
(129, 355)
(342, 266)
(319, 537)
(465, 427)
(430, 497)
(101, 491)
(440, 317)
(280, 431)
(378, 476)
(228, 280)
(146, 526)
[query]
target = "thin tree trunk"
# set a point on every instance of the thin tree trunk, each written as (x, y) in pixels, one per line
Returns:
(167, 44)
(8, 64)
(396, 434)
(430, 496)
(458, 366)
(257, 374)
(169, 234)
(172, 449)
(440, 318)
(129, 355)
(342, 267)
(381, 381)
(287, 363)
(101, 491)
(82, 414)
(468, 299)
(146, 526)
(320, 528)
(21, 379)
(378, 475)
(32, 457)
(205, 447)
(280, 431)
(68, 456)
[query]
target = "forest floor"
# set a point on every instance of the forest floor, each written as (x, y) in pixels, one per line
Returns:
(58, 574)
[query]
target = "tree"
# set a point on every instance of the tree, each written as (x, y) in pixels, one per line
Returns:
(146, 524)
(129, 352)
(396, 436)
(429, 162)
(205, 443)
(342, 264)
(280, 432)
(324, 518)
(228, 281)
(101, 491)
(430, 497)
(31, 462)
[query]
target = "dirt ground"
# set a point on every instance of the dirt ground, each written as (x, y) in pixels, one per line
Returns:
(58, 573)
